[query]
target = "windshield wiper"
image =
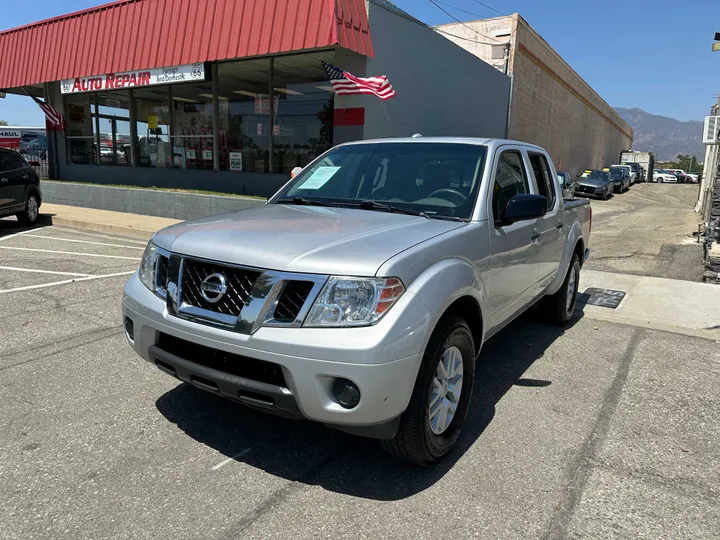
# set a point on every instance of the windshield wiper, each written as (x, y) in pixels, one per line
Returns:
(373, 205)
(303, 201)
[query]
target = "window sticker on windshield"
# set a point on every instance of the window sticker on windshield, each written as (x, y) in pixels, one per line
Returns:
(319, 178)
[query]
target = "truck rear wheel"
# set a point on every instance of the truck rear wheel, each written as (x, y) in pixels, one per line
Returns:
(558, 308)
(431, 424)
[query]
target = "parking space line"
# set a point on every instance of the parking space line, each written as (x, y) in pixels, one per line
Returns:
(71, 253)
(228, 460)
(9, 236)
(83, 241)
(77, 232)
(65, 282)
(16, 269)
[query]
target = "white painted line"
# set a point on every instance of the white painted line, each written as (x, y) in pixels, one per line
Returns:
(71, 253)
(78, 232)
(55, 283)
(9, 236)
(44, 271)
(228, 460)
(83, 241)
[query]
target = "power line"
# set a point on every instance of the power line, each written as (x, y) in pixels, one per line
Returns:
(489, 7)
(458, 9)
(461, 37)
(458, 20)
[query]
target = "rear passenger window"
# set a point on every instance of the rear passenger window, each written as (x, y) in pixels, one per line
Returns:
(510, 180)
(12, 161)
(541, 170)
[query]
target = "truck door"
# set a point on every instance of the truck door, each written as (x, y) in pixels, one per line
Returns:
(514, 248)
(552, 238)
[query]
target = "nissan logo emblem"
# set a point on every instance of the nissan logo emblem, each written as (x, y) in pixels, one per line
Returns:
(213, 288)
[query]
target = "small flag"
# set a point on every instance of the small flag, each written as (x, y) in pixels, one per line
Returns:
(55, 118)
(346, 84)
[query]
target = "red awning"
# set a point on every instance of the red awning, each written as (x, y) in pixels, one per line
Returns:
(131, 35)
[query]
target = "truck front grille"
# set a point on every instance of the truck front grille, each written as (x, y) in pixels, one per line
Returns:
(291, 300)
(239, 282)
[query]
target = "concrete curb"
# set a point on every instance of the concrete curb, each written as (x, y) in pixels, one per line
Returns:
(97, 227)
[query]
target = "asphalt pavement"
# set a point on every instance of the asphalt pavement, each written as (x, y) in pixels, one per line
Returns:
(596, 430)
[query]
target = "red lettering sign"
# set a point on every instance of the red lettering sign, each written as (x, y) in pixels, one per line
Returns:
(109, 80)
(76, 86)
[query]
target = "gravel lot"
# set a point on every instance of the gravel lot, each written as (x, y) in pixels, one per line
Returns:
(600, 430)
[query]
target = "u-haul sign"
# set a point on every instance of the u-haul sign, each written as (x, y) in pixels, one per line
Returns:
(134, 79)
(9, 134)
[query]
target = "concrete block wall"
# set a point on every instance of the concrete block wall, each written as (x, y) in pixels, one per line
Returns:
(170, 204)
(551, 105)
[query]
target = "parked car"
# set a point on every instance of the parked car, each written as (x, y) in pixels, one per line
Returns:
(694, 178)
(620, 178)
(20, 193)
(567, 184)
(631, 173)
(638, 170)
(596, 184)
(368, 312)
(664, 177)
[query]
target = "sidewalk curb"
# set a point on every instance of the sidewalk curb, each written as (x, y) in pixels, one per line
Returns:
(97, 227)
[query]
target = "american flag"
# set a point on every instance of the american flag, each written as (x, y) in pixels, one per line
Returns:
(55, 118)
(346, 84)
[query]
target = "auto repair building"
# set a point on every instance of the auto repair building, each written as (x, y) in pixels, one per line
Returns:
(551, 105)
(231, 95)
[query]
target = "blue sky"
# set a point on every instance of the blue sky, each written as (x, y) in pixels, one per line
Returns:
(654, 55)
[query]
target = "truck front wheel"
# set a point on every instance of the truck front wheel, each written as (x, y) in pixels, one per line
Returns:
(439, 403)
(558, 308)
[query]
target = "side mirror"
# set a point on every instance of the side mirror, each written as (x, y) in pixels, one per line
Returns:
(523, 207)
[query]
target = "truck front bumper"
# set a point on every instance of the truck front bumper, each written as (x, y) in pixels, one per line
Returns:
(289, 371)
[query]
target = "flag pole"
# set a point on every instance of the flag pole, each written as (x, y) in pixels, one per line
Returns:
(382, 102)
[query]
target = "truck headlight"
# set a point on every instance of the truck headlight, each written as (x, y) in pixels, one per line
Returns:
(148, 264)
(351, 301)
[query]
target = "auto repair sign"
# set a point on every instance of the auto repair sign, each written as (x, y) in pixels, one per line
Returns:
(134, 79)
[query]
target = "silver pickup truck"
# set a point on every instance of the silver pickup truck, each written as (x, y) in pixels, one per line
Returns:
(362, 293)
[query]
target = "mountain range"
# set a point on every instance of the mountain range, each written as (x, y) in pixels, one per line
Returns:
(665, 137)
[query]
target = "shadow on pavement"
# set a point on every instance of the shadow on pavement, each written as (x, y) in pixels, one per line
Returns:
(11, 225)
(313, 454)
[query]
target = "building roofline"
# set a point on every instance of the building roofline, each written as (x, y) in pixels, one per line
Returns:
(68, 16)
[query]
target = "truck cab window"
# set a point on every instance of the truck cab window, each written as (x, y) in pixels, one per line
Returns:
(510, 180)
(541, 170)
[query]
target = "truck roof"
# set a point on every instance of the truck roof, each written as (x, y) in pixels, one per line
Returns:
(491, 142)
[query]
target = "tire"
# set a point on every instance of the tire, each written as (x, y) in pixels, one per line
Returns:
(420, 438)
(558, 308)
(30, 214)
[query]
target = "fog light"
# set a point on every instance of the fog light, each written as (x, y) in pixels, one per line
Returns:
(346, 392)
(130, 328)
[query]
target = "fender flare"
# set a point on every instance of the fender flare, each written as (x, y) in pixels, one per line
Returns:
(445, 282)
(574, 236)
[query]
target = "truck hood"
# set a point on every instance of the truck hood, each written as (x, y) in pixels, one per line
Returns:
(309, 239)
(592, 182)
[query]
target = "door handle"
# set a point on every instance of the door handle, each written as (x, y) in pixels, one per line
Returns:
(535, 235)
(560, 226)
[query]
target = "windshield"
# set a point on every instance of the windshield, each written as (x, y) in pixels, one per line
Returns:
(437, 179)
(617, 174)
(599, 175)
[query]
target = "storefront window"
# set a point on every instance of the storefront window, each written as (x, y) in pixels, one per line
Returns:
(80, 129)
(114, 122)
(244, 123)
(152, 111)
(192, 133)
(303, 127)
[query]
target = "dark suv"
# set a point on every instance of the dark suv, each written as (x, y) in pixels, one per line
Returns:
(19, 188)
(638, 170)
